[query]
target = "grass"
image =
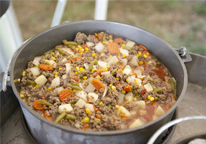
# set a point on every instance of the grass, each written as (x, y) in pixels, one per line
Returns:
(177, 22)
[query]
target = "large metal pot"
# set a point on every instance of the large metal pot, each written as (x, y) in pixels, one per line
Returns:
(45, 131)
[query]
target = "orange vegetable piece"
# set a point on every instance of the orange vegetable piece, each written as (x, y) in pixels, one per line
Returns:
(99, 116)
(143, 47)
(70, 59)
(123, 115)
(113, 48)
(64, 94)
(45, 67)
(118, 40)
(98, 84)
(47, 117)
(95, 109)
(99, 71)
(38, 106)
(85, 127)
(135, 74)
(167, 107)
(127, 88)
(44, 95)
(76, 58)
(99, 36)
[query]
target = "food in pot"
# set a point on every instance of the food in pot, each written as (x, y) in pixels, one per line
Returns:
(98, 83)
(198, 141)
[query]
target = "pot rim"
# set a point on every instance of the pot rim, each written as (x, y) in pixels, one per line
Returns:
(104, 133)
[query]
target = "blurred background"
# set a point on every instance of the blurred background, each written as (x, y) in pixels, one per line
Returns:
(180, 23)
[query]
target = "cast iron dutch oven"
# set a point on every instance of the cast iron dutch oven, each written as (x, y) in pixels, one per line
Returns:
(47, 132)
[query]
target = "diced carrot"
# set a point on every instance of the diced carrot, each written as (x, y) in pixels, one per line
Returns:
(84, 46)
(38, 106)
(95, 109)
(123, 115)
(47, 117)
(99, 71)
(135, 74)
(127, 88)
(99, 116)
(99, 36)
(118, 40)
(144, 91)
(44, 95)
(64, 94)
(113, 48)
(121, 67)
(85, 127)
(143, 47)
(46, 67)
(98, 84)
(87, 100)
(70, 59)
(76, 79)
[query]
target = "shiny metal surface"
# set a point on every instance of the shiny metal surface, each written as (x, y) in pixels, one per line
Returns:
(49, 132)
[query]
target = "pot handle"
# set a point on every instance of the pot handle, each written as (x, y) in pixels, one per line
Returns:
(171, 123)
(184, 54)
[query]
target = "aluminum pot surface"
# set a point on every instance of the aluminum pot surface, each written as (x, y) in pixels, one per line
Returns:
(47, 132)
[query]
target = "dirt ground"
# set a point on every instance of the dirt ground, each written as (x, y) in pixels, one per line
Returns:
(180, 23)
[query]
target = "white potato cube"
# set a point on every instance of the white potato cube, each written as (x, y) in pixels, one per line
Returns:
(121, 97)
(35, 71)
(136, 123)
(127, 70)
(80, 103)
(82, 94)
(55, 82)
(68, 50)
(102, 64)
(41, 80)
(131, 79)
(59, 89)
(92, 97)
(99, 47)
(52, 63)
(90, 106)
(129, 96)
(36, 60)
(65, 108)
(124, 61)
(159, 111)
(64, 60)
(130, 44)
(124, 110)
(105, 73)
(124, 51)
(113, 60)
(148, 87)
(141, 104)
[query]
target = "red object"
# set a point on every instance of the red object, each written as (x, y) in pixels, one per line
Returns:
(144, 91)
(76, 79)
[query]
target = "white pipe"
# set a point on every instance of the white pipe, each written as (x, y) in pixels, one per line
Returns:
(58, 12)
(101, 10)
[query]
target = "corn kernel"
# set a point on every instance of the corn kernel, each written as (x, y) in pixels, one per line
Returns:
(145, 56)
(88, 111)
(42, 114)
(140, 62)
(60, 68)
(81, 69)
(86, 49)
(148, 96)
(123, 45)
(79, 47)
(104, 42)
(151, 79)
(93, 54)
(23, 99)
(36, 85)
(136, 82)
(111, 40)
(74, 90)
(91, 80)
(127, 80)
(124, 55)
(110, 85)
(114, 88)
(96, 35)
(93, 70)
(101, 103)
(23, 73)
(56, 73)
(120, 70)
(135, 98)
(52, 53)
(102, 54)
(49, 88)
(98, 77)
(123, 91)
(117, 106)
(110, 55)
(21, 95)
(86, 120)
(117, 78)
(85, 77)
(139, 53)
(166, 80)
(53, 58)
(76, 73)
(152, 99)
(19, 80)
(77, 68)
(105, 69)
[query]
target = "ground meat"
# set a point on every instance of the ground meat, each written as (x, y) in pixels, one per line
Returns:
(88, 59)
(129, 57)
(81, 38)
(91, 38)
(107, 100)
(109, 79)
(30, 64)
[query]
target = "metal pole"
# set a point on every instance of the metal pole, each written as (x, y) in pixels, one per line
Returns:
(101, 10)
(58, 12)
